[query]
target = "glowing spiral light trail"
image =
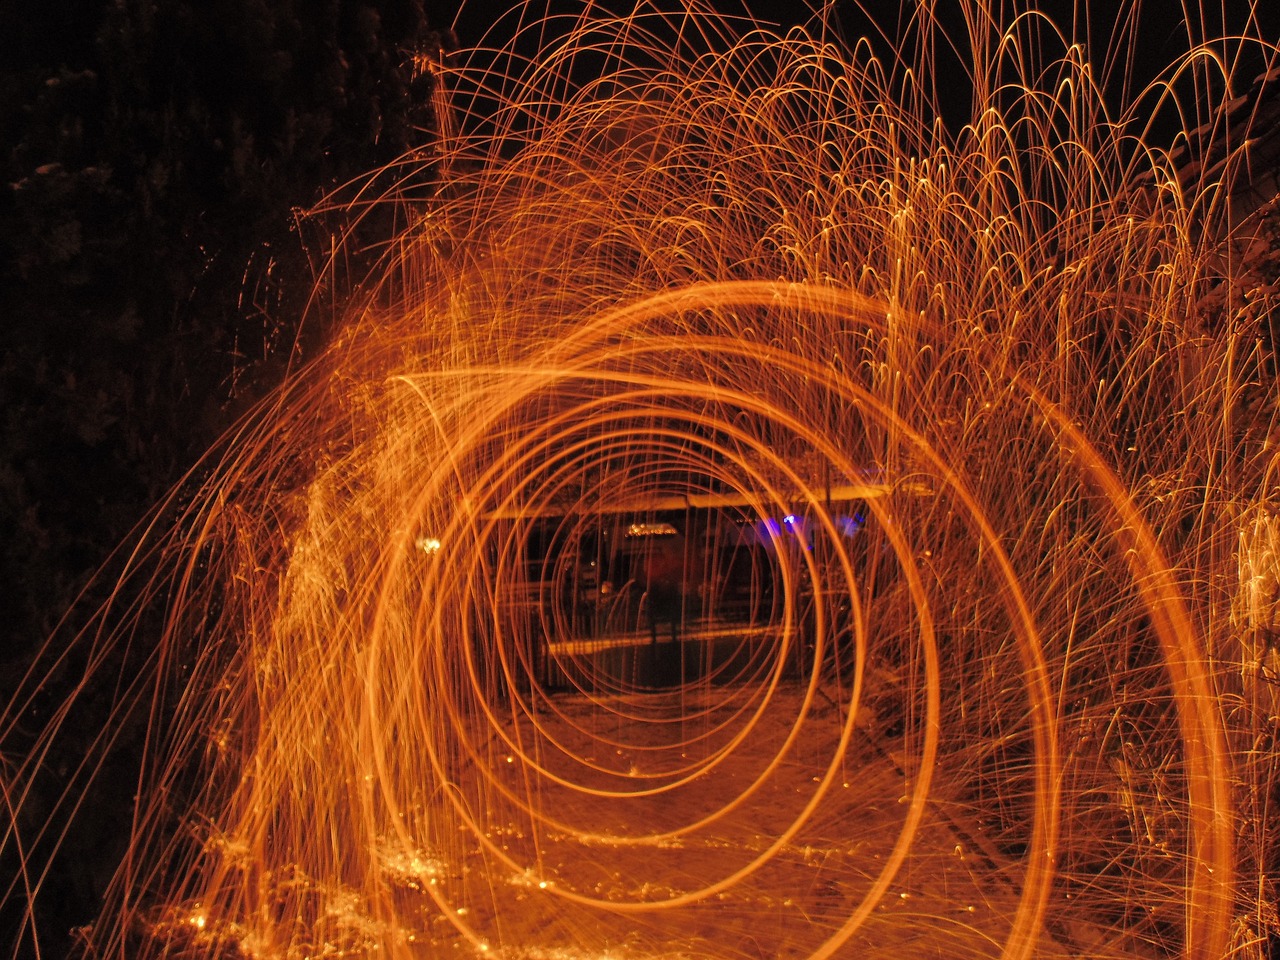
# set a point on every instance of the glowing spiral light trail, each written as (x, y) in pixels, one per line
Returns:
(926, 445)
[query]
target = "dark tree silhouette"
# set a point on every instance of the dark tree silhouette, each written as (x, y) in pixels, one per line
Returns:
(153, 281)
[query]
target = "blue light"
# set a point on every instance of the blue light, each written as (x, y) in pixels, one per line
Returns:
(851, 525)
(789, 518)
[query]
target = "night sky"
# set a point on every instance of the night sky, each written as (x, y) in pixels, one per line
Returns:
(1133, 42)
(131, 341)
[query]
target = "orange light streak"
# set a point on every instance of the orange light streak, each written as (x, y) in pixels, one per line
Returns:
(959, 435)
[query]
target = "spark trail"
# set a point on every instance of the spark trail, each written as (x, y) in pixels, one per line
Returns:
(683, 266)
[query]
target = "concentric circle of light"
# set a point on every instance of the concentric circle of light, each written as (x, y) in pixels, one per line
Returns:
(752, 277)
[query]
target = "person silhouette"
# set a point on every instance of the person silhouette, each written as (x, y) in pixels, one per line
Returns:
(664, 580)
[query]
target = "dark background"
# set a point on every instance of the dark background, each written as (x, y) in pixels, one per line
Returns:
(154, 280)
(152, 285)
